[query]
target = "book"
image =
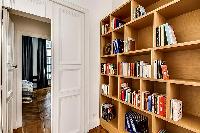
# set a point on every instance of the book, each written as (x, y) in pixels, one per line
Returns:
(138, 12)
(176, 109)
(165, 35)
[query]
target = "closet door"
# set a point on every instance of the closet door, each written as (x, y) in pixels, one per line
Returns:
(8, 68)
(68, 70)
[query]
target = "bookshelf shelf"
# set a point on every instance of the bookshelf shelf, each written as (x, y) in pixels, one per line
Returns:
(182, 59)
(107, 34)
(180, 46)
(142, 21)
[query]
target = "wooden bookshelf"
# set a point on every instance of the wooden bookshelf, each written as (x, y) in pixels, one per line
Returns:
(183, 61)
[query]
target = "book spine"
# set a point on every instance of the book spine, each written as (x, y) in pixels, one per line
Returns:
(155, 69)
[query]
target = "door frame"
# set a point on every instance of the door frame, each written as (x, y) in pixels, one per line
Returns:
(85, 12)
(86, 59)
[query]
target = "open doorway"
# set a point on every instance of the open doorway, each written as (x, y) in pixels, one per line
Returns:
(32, 78)
(36, 84)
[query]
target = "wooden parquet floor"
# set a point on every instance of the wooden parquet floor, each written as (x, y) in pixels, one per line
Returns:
(98, 129)
(36, 116)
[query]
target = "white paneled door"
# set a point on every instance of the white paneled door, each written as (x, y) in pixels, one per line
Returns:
(68, 69)
(7, 46)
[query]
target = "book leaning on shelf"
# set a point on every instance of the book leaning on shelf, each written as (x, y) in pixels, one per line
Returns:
(108, 111)
(129, 45)
(105, 28)
(155, 103)
(129, 96)
(118, 46)
(108, 68)
(136, 123)
(160, 70)
(165, 35)
(162, 131)
(176, 109)
(116, 23)
(138, 12)
(105, 89)
(137, 69)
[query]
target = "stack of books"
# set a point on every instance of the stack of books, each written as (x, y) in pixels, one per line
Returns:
(105, 89)
(155, 103)
(142, 69)
(117, 23)
(118, 46)
(165, 35)
(162, 131)
(160, 70)
(136, 123)
(176, 109)
(108, 111)
(128, 96)
(129, 45)
(138, 12)
(126, 69)
(105, 28)
(108, 68)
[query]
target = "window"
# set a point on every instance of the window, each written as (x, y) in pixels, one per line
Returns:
(49, 59)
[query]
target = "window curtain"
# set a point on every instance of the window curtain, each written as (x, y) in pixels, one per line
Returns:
(27, 58)
(42, 64)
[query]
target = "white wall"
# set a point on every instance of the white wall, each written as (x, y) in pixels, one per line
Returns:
(98, 10)
(116, 3)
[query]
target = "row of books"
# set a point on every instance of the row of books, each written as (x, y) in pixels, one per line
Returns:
(138, 12)
(108, 111)
(160, 70)
(108, 68)
(105, 28)
(162, 131)
(128, 96)
(118, 46)
(136, 123)
(155, 103)
(142, 69)
(117, 23)
(165, 35)
(126, 69)
(129, 44)
(137, 69)
(176, 109)
(105, 89)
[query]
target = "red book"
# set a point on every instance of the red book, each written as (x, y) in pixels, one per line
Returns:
(122, 95)
(162, 106)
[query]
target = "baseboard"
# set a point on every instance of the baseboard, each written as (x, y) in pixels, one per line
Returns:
(94, 123)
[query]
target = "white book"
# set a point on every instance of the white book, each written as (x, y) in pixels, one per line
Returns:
(177, 110)
(141, 68)
(155, 69)
(162, 35)
(149, 71)
(172, 35)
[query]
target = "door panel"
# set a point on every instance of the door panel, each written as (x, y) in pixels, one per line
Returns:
(68, 79)
(70, 27)
(70, 122)
(72, 80)
(7, 72)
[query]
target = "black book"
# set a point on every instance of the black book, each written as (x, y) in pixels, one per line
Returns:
(157, 37)
(165, 36)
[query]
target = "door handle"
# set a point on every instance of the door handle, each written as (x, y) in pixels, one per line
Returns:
(15, 66)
